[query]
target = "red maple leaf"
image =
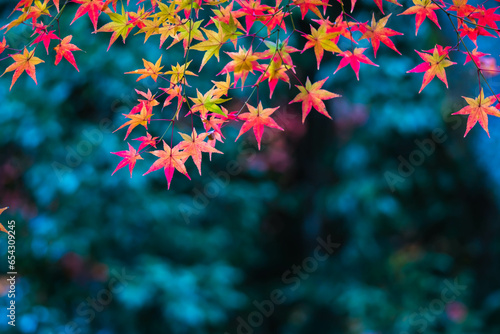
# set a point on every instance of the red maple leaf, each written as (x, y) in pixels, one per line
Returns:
(478, 110)
(422, 9)
(194, 145)
(434, 65)
(129, 158)
(312, 95)
(256, 118)
(91, 7)
(65, 49)
(170, 160)
(354, 59)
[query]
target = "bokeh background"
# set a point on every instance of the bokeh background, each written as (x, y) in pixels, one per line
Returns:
(418, 254)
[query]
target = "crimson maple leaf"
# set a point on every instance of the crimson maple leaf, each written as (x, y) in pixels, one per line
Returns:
(354, 59)
(129, 158)
(91, 7)
(170, 160)
(422, 9)
(146, 140)
(313, 96)
(194, 144)
(3, 45)
(43, 35)
(65, 49)
(478, 110)
(24, 62)
(377, 33)
(434, 65)
(312, 5)
(256, 118)
(475, 56)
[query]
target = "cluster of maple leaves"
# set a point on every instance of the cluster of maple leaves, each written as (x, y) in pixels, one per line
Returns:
(268, 57)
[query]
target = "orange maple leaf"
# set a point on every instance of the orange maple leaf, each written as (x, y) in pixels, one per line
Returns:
(129, 156)
(422, 9)
(23, 62)
(65, 49)
(478, 110)
(194, 144)
(256, 118)
(313, 96)
(435, 64)
(170, 160)
(136, 119)
(243, 63)
(321, 40)
(150, 70)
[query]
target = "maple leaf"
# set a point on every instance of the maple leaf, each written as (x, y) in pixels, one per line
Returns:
(251, 10)
(170, 160)
(146, 140)
(207, 103)
(256, 118)
(274, 72)
(120, 26)
(149, 102)
(129, 158)
(274, 17)
(486, 17)
(243, 63)
(38, 10)
(187, 32)
(321, 40)
(377, 33)
(23, 62)
(475, 56)
(225, 14)
(150, 70)
(91, 7)
(2, 228)
(194, 145)
(43, 35)
(354, 59)
(462, 9)
(312, 5)
(478, 110)
(65, 49)
(222, 87)
(212, 44)
(379, 4)
(422, 9)
(178, 73)
(3, 45)
(280, 52)
(312, 95)
(136, 120)
(174, 91)
(434, 65)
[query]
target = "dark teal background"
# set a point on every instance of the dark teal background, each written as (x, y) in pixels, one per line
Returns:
(193, 259)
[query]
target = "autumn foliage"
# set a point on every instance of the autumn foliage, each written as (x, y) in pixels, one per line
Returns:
(256, 40)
